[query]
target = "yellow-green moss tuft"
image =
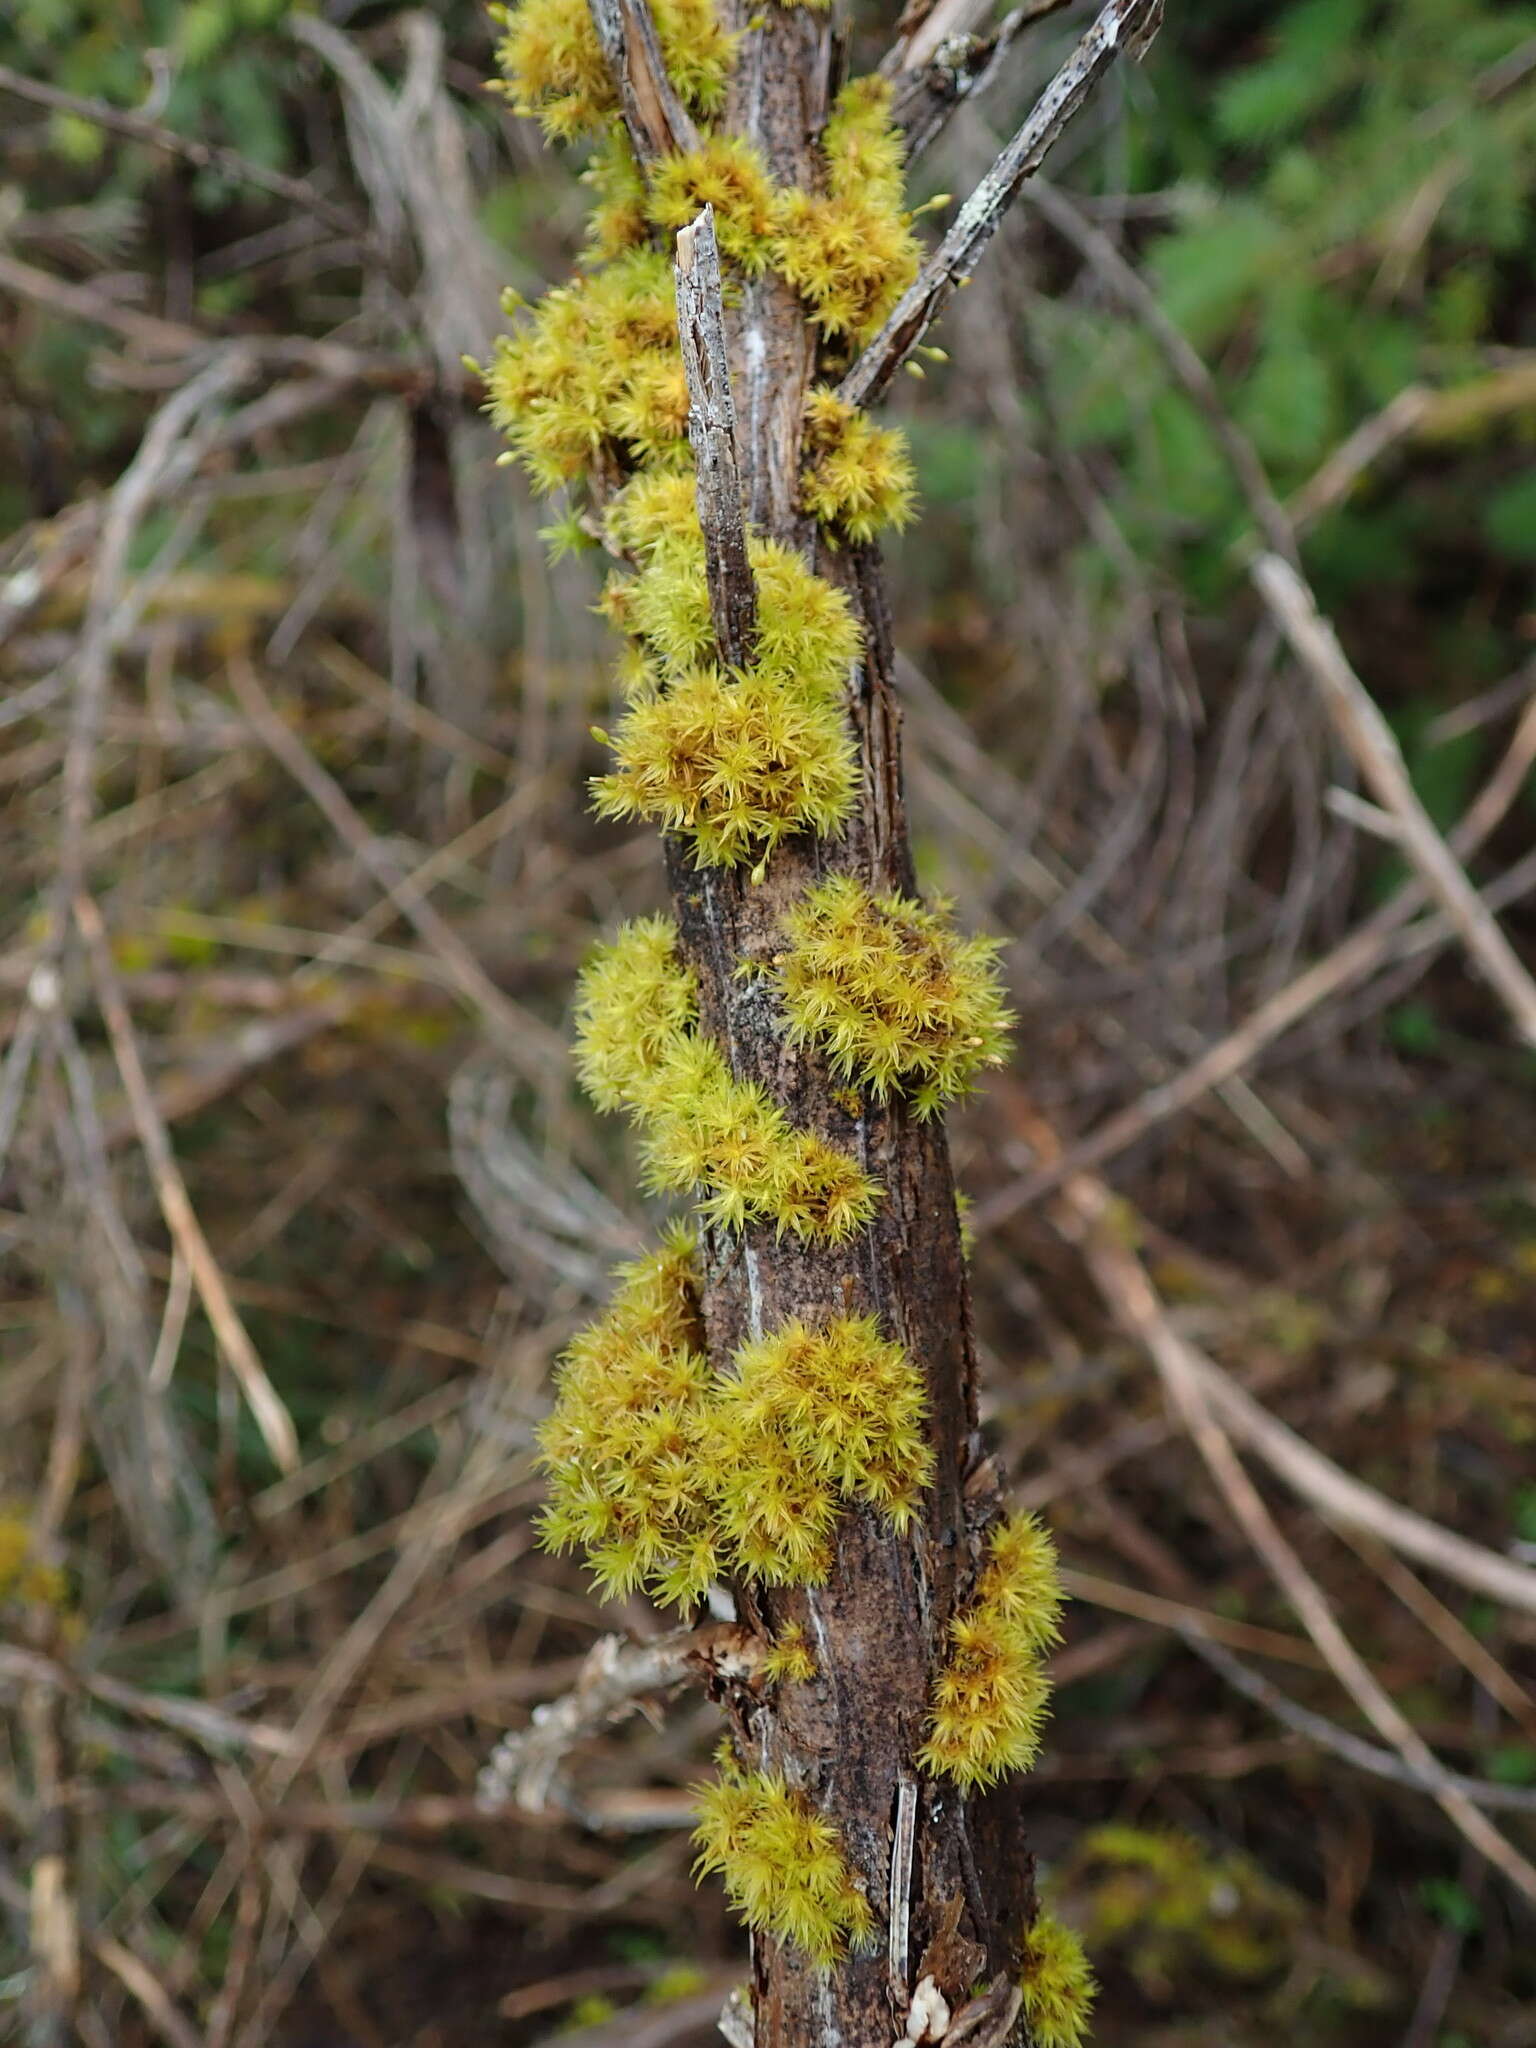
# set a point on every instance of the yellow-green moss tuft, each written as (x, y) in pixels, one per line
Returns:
(670, 1476)
(629, 1428)
(635, 1000)
(892, 995)
(618, 220)
(807, 636)
(789, 1660)
(849, 251)
(737, 766)
(636, 1050)
(989, 1699)
(595, 363)
(849, 1405)
(552, 64)
(728, 173)
(782, 1864)
(1057, 1984)
(858, 478)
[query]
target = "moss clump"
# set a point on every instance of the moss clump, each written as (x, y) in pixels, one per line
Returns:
(892, 995)
(789, 1660)
(637, 1050)
(782, 1863)
(669, 1475)
(727, 173)
(858, 478)
(847, 1405)
(618, 220)
(849, 251)
(989, 1699)
(738, 763)
(552, 64)
(737, 766)
(1057, 1984)
(596, 364)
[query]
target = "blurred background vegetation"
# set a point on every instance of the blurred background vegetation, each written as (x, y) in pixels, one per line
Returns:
(293, 696)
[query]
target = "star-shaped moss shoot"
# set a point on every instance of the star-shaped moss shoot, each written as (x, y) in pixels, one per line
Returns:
(898, 1001)
(782, 1863)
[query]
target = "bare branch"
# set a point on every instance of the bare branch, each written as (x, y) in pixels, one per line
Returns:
(1370, 739)
(208, 156)
(271, 1417)
(524, 1768)
(1122, 25)
(945, 62)
(657, 121)
(712, 431)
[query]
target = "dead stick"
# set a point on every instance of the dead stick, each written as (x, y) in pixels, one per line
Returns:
(272, 1418)
(712, 432)
(1370, 740)
(1127, 25)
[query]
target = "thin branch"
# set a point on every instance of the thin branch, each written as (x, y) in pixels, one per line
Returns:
(271, 1417)
(934, 76)
(712, 432)
(1188, 369)
(1371, 741)
(1380, 938)
(658, 122)
(1083, 1215)
(1354, 1749)
(206, 156)
(524, 1768)
(1123, 25)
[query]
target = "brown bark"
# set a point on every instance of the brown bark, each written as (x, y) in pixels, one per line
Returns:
(949, 1877)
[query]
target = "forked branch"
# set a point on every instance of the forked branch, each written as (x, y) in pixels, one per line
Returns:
(1126, 26)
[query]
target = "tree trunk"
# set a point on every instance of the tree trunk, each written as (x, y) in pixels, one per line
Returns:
(947, 1873)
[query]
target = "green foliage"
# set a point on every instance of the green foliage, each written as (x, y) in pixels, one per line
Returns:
(670, 1476)
(989, 1699)
(1168, 1903)
(781, 1861)
(1350, 222)
(1057, 1984)
(637, 1050)
(889, 991)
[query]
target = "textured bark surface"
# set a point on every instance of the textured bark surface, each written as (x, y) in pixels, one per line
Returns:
(950, 1878)
(878, 1626)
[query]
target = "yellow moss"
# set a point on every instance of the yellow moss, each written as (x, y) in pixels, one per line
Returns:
(858, 478)
(618, 219)
(1057, 1984)
(637, 1050)
(595, 363)
(670, 1476)
(741, 763)
(989, 1699)
(849, 251)
(552, 64)
(892, 995)
(737, 766)
(23, 1577)
(782, 1863)
(634, 1001)
(789, 1660)
(728, 173)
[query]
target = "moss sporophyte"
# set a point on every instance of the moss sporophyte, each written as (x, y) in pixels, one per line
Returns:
(672, 1469)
